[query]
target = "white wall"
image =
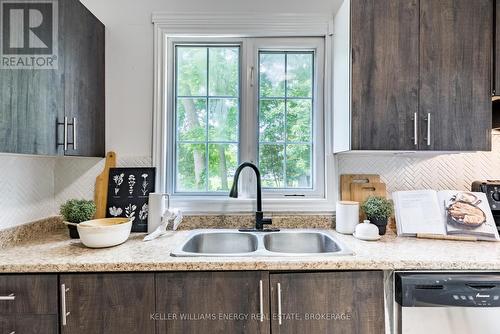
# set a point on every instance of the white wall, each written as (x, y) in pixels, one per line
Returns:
(129, 58)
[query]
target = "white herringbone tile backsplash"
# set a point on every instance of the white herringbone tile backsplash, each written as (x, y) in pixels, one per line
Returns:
(26, 189)
(75, 177)
(417, 171)
(32, 188)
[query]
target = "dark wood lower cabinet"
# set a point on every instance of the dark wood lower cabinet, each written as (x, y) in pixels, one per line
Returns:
(212, 302)
(120, 303)
(31, 294)
(28, 324)
(236, 302)
(328, 302)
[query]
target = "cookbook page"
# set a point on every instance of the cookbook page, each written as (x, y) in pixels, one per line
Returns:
(417, 212)
(468, 213)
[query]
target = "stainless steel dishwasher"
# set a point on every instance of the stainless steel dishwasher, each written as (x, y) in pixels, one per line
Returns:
(447, 303)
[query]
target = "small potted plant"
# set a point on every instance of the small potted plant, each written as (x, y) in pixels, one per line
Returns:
(378, 210)
(77, 211)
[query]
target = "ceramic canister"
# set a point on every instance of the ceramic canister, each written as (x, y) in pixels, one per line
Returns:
(347, 216)
(156, 210)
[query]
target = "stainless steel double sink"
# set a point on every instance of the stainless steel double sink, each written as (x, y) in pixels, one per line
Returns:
(283, 243)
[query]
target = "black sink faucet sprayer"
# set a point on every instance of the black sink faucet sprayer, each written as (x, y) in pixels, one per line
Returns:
(260, 221)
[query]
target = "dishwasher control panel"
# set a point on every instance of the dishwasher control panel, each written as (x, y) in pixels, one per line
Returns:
(447, 289)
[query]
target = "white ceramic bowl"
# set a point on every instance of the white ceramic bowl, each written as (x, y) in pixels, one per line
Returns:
(107, 232)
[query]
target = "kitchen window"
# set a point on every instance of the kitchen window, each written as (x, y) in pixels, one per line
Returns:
(277, 114)
(207, 108)
(221, 101)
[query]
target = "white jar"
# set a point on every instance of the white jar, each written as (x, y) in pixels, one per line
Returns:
(347, 216)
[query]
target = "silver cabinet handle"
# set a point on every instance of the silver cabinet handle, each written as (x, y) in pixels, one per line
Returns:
(13, 332)
(64, 313)
(280, 321)
(428, 129)
(261, 301)
(65, 133)
(415, 129)
(8, 298)
(74, 133)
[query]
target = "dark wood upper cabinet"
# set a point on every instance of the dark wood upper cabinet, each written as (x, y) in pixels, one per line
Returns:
(384, 42)
(455, 74)
(425, 58)
(35, 102)
(328, 302)
(84, 102)
(185, 297)
(120, 303)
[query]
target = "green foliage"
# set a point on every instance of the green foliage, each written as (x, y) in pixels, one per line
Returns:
(208, 118)
(285, 119)
(77, 211)
(377, 207)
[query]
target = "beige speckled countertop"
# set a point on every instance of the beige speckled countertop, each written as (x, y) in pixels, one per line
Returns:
(55, 252)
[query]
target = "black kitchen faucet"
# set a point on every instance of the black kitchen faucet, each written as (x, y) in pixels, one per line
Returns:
(260, 221)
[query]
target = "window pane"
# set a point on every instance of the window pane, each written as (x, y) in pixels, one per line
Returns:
(191, 119)
(299, 74)
(298, 120)
(223, 120)
(207, 117)
(223, 69)
(223, 161)
(191, 71)
(191, 167)
(272, 120)
(298, 166)
(271, 159)
(285, 118)
(272, 74)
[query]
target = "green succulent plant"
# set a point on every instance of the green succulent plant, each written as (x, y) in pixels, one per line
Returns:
(77, 210)
(377, 207)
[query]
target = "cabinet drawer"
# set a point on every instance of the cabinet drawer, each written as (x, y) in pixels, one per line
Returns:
(32, 294)
(28, 324)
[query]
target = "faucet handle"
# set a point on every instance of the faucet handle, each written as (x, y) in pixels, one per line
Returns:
(260, 221)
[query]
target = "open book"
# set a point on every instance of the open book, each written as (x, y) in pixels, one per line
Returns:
(447, 212)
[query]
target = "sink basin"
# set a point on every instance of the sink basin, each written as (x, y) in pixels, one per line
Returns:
(221, 243)
(300, 242)
(244, 244)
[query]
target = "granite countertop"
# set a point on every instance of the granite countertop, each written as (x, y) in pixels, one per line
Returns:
(55, 252)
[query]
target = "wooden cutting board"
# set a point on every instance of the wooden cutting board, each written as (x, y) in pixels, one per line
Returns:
(347, 179)
(361, 191)
(101, 186)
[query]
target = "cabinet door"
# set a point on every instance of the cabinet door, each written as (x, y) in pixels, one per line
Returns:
(84, 80)
(384, 39)
(455, 74)
(331, 302)
(28, 324)
(28, 294)
(109, 303)
(212, 302)
(30, 103)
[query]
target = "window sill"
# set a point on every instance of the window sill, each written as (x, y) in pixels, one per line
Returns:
(198, 205)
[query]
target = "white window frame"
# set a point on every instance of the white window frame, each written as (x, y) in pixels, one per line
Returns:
(232, 28)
